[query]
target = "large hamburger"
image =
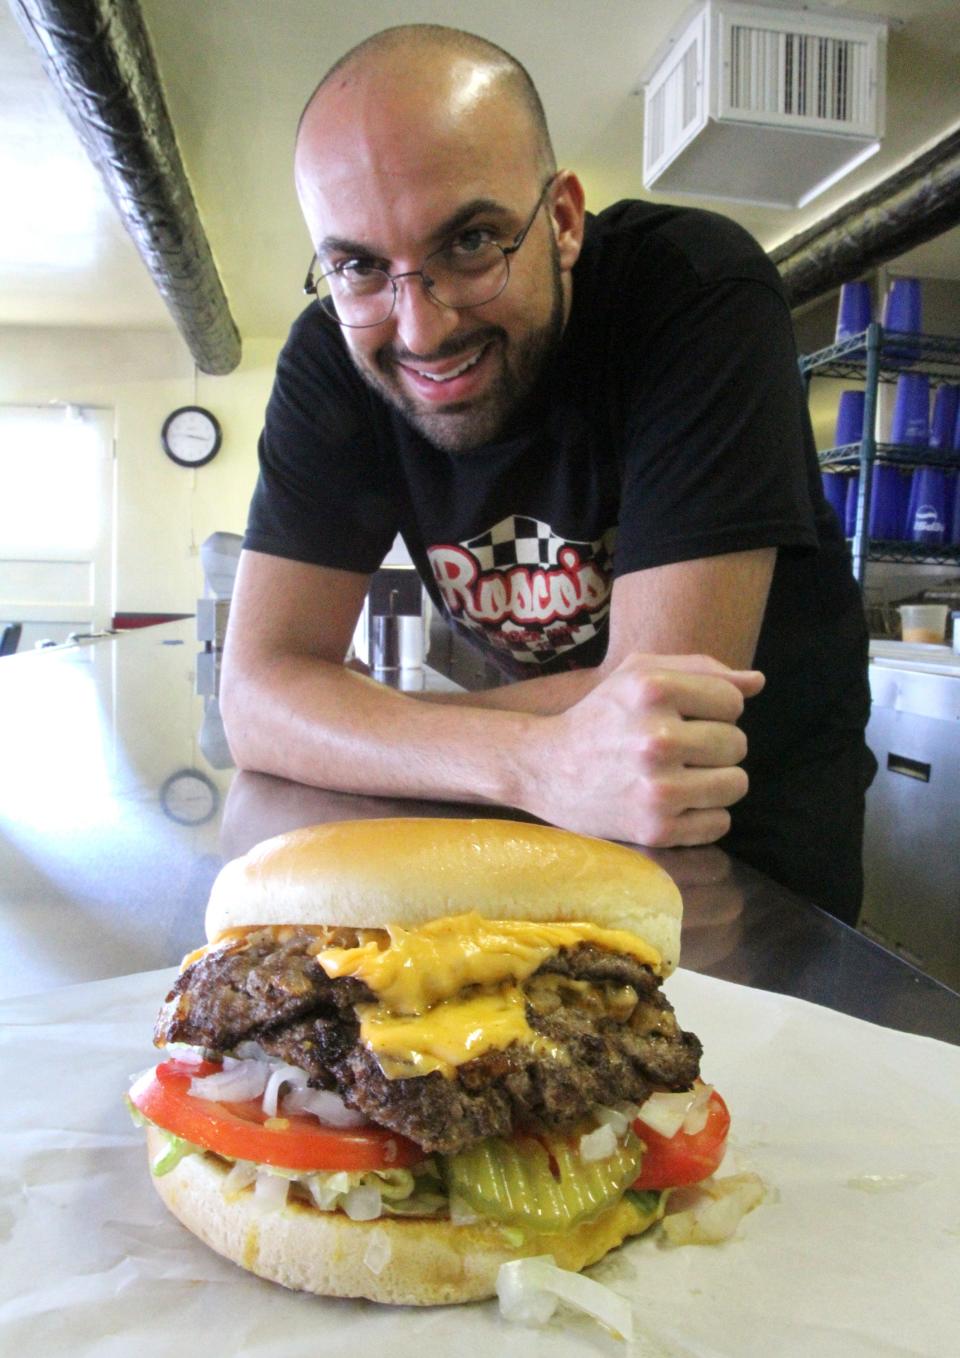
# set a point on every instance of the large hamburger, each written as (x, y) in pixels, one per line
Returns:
(413, 1050)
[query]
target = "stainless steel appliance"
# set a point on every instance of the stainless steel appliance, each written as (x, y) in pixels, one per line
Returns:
(912, 839)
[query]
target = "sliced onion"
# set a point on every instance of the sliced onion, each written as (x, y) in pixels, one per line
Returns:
(237, 1081)
(618, 1118)
(720, 1207)
(187, 1054)
(379, 1251)
(664, 1113)
(461, 1213)
(363, 1203)
(528, 1290)
(240, 1177)
(323, 1104)
(696, 1118)
(326, 1189)
(250, 1051)
(598, 1145)
(270, 1193)
(522, 1293)
(281, 1075)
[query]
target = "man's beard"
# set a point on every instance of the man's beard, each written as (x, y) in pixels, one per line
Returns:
(465, 427)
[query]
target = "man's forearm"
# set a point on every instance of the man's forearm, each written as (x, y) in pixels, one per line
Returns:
(648, 755)
(322, 724)
(543, 696)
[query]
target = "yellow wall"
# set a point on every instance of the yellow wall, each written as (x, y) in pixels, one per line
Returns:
(164, 512)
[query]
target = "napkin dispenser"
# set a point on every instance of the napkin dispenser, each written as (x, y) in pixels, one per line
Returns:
(219, 556)
(390, 634)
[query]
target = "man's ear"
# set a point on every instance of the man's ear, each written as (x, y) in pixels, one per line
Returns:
(567, 214)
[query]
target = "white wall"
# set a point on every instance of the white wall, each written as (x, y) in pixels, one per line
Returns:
(164, 512)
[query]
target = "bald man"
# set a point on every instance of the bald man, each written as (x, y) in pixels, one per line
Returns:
(591, 435)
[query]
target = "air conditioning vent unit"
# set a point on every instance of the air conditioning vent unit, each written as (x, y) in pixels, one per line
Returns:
(762, 104)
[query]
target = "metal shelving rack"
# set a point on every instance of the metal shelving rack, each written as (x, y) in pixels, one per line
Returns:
(874, 356)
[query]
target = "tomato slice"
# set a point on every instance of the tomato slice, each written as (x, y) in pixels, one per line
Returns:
(686, 1158)
(242, 1131)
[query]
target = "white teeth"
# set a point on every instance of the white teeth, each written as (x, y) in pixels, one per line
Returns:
(447, 377)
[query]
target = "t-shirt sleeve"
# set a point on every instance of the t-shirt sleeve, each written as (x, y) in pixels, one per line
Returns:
(324, 494)
(717, 446)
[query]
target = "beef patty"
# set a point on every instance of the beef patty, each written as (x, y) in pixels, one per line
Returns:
(609, 1034)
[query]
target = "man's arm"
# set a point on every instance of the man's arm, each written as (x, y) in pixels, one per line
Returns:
(648, 754)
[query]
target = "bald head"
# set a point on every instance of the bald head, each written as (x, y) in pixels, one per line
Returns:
(427, 144)
(415, 66)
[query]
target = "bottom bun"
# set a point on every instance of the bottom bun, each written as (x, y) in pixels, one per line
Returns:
(420, 1261)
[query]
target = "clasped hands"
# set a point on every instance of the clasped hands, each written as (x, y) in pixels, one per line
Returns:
(650, 755)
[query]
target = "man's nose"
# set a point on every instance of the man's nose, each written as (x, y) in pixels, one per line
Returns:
(422, 322)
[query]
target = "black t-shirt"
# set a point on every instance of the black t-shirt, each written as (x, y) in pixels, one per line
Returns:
(670, 425)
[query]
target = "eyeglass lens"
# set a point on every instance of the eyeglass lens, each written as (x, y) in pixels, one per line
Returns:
(455, 276)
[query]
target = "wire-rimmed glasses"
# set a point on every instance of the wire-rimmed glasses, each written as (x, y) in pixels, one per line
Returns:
(468, 271)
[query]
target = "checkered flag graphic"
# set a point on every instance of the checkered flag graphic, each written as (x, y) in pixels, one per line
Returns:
(521, 541)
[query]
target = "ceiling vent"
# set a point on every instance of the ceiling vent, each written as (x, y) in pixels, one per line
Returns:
(763, 105)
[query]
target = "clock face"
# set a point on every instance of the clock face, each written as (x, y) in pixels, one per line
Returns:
(189, 797)
(191, 436)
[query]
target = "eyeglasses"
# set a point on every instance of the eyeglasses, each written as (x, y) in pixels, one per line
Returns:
(467, 272)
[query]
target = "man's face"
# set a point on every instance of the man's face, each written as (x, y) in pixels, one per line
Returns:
(389, 199)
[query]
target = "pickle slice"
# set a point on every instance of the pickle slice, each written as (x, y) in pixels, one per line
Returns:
(540, 1182)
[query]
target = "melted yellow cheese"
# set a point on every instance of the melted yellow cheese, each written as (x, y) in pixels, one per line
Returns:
(450, 1033)
(421, 967)
(450, 991)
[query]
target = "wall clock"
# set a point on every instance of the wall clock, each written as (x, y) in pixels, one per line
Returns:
(189, 797)
(191, 436)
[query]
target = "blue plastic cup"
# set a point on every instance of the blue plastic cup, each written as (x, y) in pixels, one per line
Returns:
(903, 500)
(911, 410)
(946, 402)
(885, 503)
(928, 520)
(850, 417)
(855, 311)
(955, 516)
(903, 308)
(850, 505)
(835, 489)
(955, 441)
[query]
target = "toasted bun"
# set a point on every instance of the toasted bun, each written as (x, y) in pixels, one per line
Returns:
(429, 1263)
(368, 874)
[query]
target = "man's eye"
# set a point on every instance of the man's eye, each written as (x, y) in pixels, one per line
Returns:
(356, 268)
(471, 242)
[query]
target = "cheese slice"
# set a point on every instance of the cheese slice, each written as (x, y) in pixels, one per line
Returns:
(450, 991)
(450, 1033)
(421, 967)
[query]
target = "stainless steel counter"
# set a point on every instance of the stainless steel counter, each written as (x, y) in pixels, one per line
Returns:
(118, 805)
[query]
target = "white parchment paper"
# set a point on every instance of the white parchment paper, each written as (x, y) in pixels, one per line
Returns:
(855, 1128)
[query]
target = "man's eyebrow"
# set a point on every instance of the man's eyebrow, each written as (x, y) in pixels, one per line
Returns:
(475, 208)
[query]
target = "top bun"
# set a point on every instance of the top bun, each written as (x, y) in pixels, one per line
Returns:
(369, 874)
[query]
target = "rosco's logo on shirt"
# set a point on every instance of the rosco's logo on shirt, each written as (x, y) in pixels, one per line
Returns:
(529, 591)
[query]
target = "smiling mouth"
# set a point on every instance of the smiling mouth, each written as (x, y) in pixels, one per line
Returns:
(454, 372)
(433, 377)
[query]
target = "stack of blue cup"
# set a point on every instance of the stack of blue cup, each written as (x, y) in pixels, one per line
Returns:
(850, 505)
(849, 427)
(933, 514)
(928, 509)
(902, 311)
(888, 502)
(944, 423)
(911, 411)
(835, 489)
(855, 311)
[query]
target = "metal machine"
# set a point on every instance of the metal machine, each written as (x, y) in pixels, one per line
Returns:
(912, 840)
